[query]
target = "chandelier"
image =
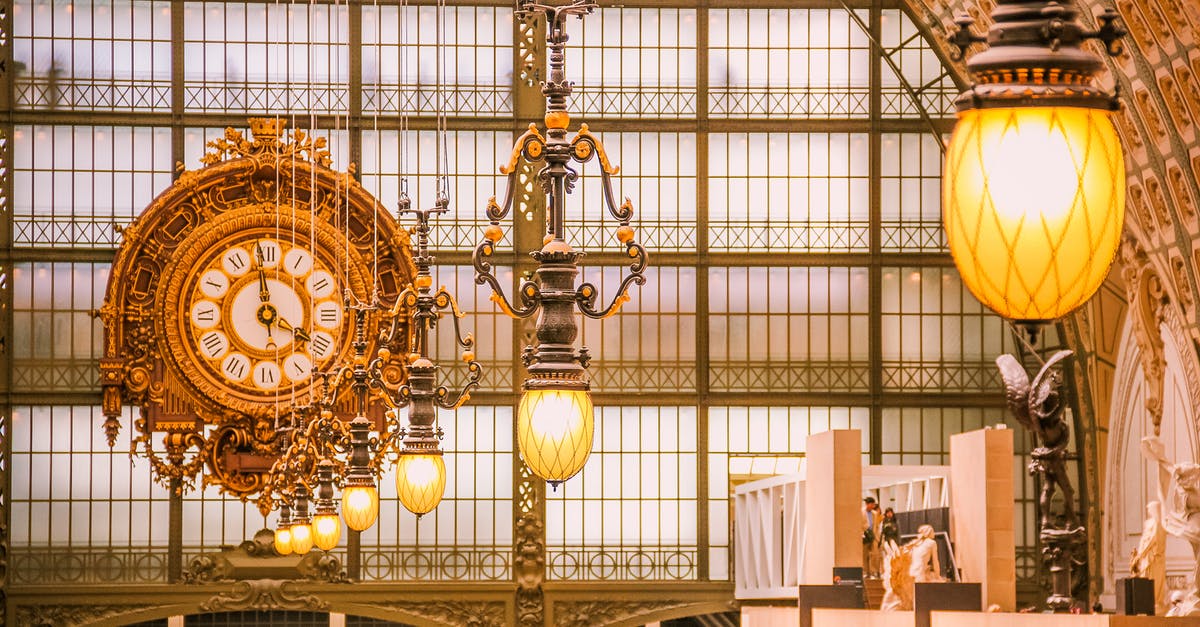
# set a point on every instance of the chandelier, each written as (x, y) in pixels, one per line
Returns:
(555, 416)
(412, 448)
(317, 440)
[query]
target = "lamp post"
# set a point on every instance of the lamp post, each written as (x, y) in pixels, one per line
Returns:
(420, 469)
(555, 415)
(1033, 200)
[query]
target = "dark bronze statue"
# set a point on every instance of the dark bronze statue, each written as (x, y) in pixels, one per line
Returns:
(1039, 406)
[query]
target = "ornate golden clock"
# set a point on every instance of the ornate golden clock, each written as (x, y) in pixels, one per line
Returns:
(228, 299)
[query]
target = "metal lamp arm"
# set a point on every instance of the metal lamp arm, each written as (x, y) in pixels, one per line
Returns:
(584, 146)
(585, 296)
(444, 300)
(332, 384)
(531, 148)
(531, 295)
(382, 449)
(464, 395)
(394, 400)
(405, 300)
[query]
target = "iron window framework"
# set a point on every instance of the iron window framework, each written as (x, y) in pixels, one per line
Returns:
(696, 142)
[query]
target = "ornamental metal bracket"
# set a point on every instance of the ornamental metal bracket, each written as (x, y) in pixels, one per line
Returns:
(554, 151)
(425, 308)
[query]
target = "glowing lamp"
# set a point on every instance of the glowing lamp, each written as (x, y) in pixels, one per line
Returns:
(326, 531)
(554, 432)
(326, 528)
(283, 533)
(420, 481)
(283, 540)
(360, 506)
(555, 416)
(302, 537)
(1033, 190)
(360, 497)
(1033, 202)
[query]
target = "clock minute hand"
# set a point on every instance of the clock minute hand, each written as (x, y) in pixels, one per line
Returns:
(264, 294)
(299, 334)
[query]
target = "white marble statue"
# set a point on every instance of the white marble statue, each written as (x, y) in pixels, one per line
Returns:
(925, 567)
(904, 566)
(1176, 605)
(897, 583)
(1148, 560)
(1179, 493)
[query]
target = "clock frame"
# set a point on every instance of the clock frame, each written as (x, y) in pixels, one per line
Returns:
(270, 189)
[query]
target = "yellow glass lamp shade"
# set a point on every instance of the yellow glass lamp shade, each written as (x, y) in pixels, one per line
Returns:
(326, 531)
(554, 432)
(283, 541)
(420, 481)
(360, 506)
(302, 538)
(1033, 200)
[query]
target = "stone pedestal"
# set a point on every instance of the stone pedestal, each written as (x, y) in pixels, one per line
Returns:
(812, 597)
(1135, 596)
(931, 597)
(981, 513)
(832, 504)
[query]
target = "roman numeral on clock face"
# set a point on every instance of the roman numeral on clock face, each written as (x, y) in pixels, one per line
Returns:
(321, 345)
(205, 314)
(214, 283)
(236, 261)
(236, 366)
(297, 367)
(214, 344)
(319, 284)
(269, 252)
(297, 262)
(328, 314)
(266, 375)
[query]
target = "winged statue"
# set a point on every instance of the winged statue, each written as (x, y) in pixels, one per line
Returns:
(1039, 406)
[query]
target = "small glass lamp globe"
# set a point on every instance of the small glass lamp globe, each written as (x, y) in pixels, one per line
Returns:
(420, 481)
(360, 506)
(326, 530)
(554, 432)
(283, 540)
(302, 538)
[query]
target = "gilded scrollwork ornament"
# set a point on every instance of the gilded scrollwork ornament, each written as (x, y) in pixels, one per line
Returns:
(1147, 299)
(69, 615)
(262, 595)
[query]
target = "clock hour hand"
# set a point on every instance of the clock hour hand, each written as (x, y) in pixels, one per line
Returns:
(300, 334)
(263, 293)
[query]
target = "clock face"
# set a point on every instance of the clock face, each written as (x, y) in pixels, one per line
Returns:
(260, 302)
(264, 313)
